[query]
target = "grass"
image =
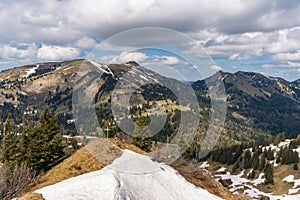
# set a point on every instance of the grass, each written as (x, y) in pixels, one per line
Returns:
(279, 174)
(81, 162)
(280, 187)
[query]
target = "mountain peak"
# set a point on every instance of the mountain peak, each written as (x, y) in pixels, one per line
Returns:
(132, 63)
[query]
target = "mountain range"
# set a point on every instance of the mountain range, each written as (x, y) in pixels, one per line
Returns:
(256, 104)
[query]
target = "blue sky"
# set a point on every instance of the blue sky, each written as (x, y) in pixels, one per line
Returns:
(261, 36)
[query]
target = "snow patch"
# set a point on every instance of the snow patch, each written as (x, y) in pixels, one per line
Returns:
(112, 182)
(259, 180)
(222, 169)
(31, 71)
(204, 165)
(291, 179)
(67, 68)
(102, 68)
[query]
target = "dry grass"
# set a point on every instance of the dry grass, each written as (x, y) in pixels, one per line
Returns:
(94, 157)
(192, 173)
(123, 145)
(79, 163)
(31, 196)
(280, 172)
(280, 187)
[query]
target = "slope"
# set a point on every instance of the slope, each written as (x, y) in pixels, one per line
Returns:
(131, 176)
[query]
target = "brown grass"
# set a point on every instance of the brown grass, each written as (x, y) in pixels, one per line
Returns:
(280, 187)
(94, 157)
(199, 177)
(79, 163)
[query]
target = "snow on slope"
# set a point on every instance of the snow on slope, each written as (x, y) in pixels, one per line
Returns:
(131, 176)
(102, 68)
(31, 71)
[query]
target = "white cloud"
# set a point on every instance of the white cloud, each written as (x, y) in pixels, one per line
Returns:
(18, 50)
(268, 28)
(285, 64)
(86, 42)
(169, 60)
(51, 52)
(287, 56)
(234, 56)
(215, 68)
(47, 20)
(129, 56)
(104, 59)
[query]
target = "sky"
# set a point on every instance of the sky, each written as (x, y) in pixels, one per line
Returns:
(259, 35)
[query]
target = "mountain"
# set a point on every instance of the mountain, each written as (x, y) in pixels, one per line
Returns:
(131, 176)
(257, 105)
(264, 104)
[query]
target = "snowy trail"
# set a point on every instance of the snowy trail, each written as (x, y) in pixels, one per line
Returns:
(131, 176)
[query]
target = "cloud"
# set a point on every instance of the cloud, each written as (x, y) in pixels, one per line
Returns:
(51, 52)
(215, 68)
(170, 60)
(70, 20)
(251, 30)
(18, 50)
(129, 56)
(86, 43)
(284, 64)
(287, 56)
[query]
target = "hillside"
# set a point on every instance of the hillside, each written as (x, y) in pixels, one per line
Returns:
(258, 105)
(248, 174)
(110, 183)
(82, 162)
(251, 97)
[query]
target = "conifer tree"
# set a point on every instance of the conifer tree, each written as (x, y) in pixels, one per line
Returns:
(269, 174)
(262, 163)
(24, 141)
(108, 129)
(247, 159)
(45, 142)
(255, 161)
(269, 154)
(142, 135)
(9, 142)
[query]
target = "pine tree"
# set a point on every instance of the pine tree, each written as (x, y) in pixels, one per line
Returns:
(24, 141)
(269, 174)
(247, 159)
(74, 144)
(262, 162)
(255, 161)
(108, 129)
(235, 167)
(142, 135)
(9, 142)
(45, 142)
(269, 154)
